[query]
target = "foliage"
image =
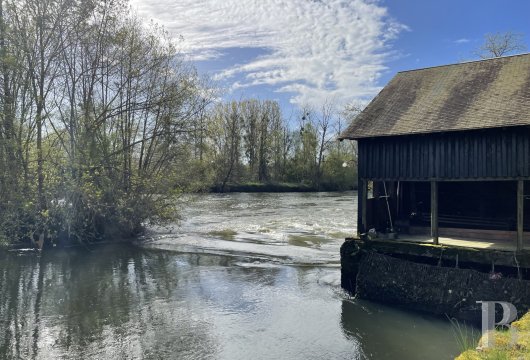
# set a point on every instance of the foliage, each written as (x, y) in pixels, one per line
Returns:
(96, 114)
(505, 347)
(466, 337)
(251, 141)
(103, 125)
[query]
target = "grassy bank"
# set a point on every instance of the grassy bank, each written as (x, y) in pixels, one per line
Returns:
(276, 187)
(505, 348)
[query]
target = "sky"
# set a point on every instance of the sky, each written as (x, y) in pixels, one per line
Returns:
(311, 52)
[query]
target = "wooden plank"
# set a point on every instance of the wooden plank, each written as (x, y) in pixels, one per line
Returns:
(498, 157)
(456, 166)
(487, 155)
(419, 159)
(388, 160)
(431, 160)
(520, 214)
(410, 159)
(504, 159)
(437, 159)
(462, 157)
(475, 156)
(520, 157)
(483, 163)
(395, 162)
(526, 150)
(434, 212)
(450, 161)
(466, 169)
(501, 236)
(465, 255)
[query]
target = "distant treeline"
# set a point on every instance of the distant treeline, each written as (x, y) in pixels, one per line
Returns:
(103, 124)
(247, 142)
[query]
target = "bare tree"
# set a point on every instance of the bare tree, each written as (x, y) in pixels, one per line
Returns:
(501, 44)
(323, 125)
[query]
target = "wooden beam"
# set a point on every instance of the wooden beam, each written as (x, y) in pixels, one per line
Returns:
(483, 256)
(362, 194)
(520, 213)
(434, 211)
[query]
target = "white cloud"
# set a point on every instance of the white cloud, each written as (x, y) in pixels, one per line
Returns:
(316, 49)
(461, 41)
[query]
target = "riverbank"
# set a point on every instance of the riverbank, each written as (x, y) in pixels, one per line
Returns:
(276, 187)
(506, 347)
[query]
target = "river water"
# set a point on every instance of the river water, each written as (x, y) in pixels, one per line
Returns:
(243, 276)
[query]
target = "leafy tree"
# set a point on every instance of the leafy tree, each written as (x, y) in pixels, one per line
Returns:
(97, 112)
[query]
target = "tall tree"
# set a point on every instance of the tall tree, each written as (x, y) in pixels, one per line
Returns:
(97, 108)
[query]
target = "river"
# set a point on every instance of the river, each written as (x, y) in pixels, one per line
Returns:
(242, 276)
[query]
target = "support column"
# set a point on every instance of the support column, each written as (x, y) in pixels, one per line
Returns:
(520, 214)
(434, 212)
(362, 194)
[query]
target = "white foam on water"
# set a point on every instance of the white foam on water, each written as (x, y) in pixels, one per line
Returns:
(286, 254)
(290, 228)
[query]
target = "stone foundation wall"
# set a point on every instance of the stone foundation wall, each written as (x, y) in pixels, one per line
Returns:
(429, 288)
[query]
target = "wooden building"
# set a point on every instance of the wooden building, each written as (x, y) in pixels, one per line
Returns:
(445, 152)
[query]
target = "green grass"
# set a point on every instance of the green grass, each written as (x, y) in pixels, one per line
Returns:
(505, 347)
(466, 337)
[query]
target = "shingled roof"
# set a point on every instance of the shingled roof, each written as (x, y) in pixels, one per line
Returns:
(473, 95)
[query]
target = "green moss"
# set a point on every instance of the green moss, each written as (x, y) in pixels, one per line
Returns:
(505, 348)
(225, 234)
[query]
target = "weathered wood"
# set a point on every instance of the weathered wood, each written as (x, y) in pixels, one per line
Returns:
(434, 212)
(493, 154)
(449, 253)
(501, 236)
(520, 213)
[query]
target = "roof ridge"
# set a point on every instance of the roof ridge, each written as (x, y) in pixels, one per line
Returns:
(465, 62)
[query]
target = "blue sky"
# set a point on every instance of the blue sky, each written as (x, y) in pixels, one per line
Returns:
(306, 52)
(448, 31)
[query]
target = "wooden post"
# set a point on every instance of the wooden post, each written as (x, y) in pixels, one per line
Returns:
(520, 213)
(364, 201)
(362, 193)
(434, 212)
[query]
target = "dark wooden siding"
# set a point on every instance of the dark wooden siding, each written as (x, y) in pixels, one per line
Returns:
(502, 153)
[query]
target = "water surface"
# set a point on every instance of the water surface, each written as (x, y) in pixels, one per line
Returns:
(244, 276)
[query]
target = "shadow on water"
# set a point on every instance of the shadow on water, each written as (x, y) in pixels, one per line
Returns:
(388, 333)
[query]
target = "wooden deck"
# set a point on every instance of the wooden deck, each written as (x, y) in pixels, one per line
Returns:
(464, 242)
(469, 238)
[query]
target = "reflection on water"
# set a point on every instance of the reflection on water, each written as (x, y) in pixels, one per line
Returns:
(384, 332)
(203, 301)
